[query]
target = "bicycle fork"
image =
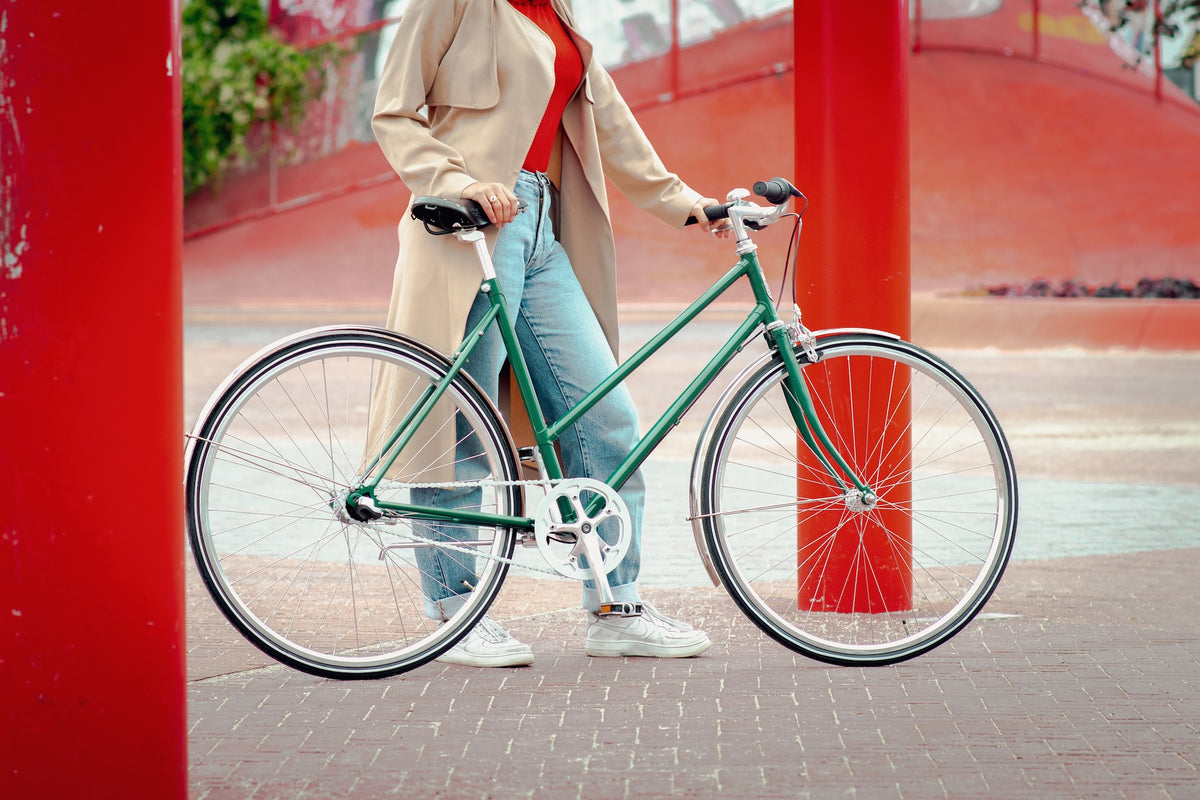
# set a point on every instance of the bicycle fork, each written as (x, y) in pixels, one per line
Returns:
(804, 413)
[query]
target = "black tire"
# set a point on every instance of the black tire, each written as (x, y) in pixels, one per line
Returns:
(815, 568)
(268, 470)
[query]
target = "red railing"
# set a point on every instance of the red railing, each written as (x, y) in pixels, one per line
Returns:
(298, 168)
(333, 153)
(1068, 43)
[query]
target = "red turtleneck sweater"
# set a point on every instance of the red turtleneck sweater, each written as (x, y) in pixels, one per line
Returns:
(568, 72)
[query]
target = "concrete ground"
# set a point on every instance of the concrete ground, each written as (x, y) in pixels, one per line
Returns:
(1081, 678)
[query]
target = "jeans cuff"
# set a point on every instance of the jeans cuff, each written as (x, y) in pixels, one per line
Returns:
(626, 593)
(445, 608)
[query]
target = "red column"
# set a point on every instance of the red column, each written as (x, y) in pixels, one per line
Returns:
(852, 160)
(91, 542)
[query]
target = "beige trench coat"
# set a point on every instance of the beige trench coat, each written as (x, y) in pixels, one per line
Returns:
(460, 98)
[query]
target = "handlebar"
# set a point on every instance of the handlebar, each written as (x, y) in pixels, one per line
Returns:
(714, 213)
(441, 215)
(777, 191)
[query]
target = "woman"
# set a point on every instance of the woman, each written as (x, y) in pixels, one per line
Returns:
(501, 102)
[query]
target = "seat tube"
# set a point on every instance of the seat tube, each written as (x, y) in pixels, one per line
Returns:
(491, 287)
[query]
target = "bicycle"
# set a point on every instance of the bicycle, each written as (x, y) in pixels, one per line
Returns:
(852, 492)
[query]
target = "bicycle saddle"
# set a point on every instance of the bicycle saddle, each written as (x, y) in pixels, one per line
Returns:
(441, 216)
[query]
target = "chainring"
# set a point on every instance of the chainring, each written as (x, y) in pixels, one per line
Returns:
(562, 544)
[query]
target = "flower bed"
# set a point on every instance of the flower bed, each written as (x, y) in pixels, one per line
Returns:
(1156, 288)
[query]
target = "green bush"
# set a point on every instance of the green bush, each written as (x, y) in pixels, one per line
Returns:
(236, 74)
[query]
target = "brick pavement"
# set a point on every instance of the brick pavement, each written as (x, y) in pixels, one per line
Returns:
(1089, 691)
(1092, 689)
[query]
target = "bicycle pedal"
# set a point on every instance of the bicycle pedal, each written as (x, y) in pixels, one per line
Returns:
(527, 455)
(620, 610)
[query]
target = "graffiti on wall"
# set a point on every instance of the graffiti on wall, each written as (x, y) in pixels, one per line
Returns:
(306, 19)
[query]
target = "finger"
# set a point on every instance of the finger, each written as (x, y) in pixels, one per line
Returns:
(502, 202)
(508, 202)
(495, 210)
(496, 201)
(721, 229)
(705, 223)
(480, 194)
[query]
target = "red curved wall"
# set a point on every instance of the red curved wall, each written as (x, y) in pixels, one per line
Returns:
(1020, 169)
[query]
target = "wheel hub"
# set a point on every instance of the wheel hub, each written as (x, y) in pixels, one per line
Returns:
(355, 507)
(860, 502)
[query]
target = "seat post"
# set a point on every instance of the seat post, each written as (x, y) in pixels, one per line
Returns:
(476, 238)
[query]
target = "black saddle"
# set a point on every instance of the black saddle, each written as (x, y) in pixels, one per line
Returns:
(441, 216)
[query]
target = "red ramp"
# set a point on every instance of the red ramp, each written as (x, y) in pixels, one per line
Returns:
(1020, 170)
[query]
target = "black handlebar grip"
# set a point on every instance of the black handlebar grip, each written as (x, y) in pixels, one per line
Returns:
(776, 190)
(713, 213)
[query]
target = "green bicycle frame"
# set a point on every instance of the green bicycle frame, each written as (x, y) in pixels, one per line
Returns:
(545, 434)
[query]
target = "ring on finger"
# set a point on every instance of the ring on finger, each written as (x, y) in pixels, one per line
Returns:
(493, 199)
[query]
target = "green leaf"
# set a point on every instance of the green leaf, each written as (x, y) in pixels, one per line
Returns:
(237, 74)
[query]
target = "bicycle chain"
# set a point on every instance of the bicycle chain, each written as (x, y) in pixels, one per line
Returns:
(470, 551)
(468, 484)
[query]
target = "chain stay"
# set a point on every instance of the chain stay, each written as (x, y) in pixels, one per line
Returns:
(471, 551)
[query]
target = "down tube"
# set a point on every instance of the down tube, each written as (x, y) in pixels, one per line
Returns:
(761, 313)
(672, 415)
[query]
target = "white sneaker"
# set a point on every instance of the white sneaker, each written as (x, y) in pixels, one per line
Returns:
(650, 634)
(648, 608)
(488, 645)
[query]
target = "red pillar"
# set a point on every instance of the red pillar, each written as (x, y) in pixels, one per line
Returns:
(91, 543)
(852, 160)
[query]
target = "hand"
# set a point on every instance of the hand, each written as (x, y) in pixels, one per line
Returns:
(497, 200)
(720, 228)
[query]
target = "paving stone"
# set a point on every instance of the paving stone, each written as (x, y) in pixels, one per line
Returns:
(1091, 688)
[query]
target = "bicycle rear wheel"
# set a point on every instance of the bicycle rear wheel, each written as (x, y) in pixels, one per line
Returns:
(270, 466)
(822, 572)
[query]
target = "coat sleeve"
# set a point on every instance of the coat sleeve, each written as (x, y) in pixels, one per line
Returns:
(425, 34)
(629, 158)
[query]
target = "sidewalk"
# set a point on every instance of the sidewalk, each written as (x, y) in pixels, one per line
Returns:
(1080, 679)
(1088, 692)
(950, 321)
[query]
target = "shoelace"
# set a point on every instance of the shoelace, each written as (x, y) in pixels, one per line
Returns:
(648, 610)
(490, 630)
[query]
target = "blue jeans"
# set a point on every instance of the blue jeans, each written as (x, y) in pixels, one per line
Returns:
(568, 356)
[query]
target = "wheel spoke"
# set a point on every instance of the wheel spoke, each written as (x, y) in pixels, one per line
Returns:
(271, 467)
(817, 567)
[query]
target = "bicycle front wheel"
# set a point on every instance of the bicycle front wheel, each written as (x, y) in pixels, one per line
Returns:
(270, 466)
(818, 568)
